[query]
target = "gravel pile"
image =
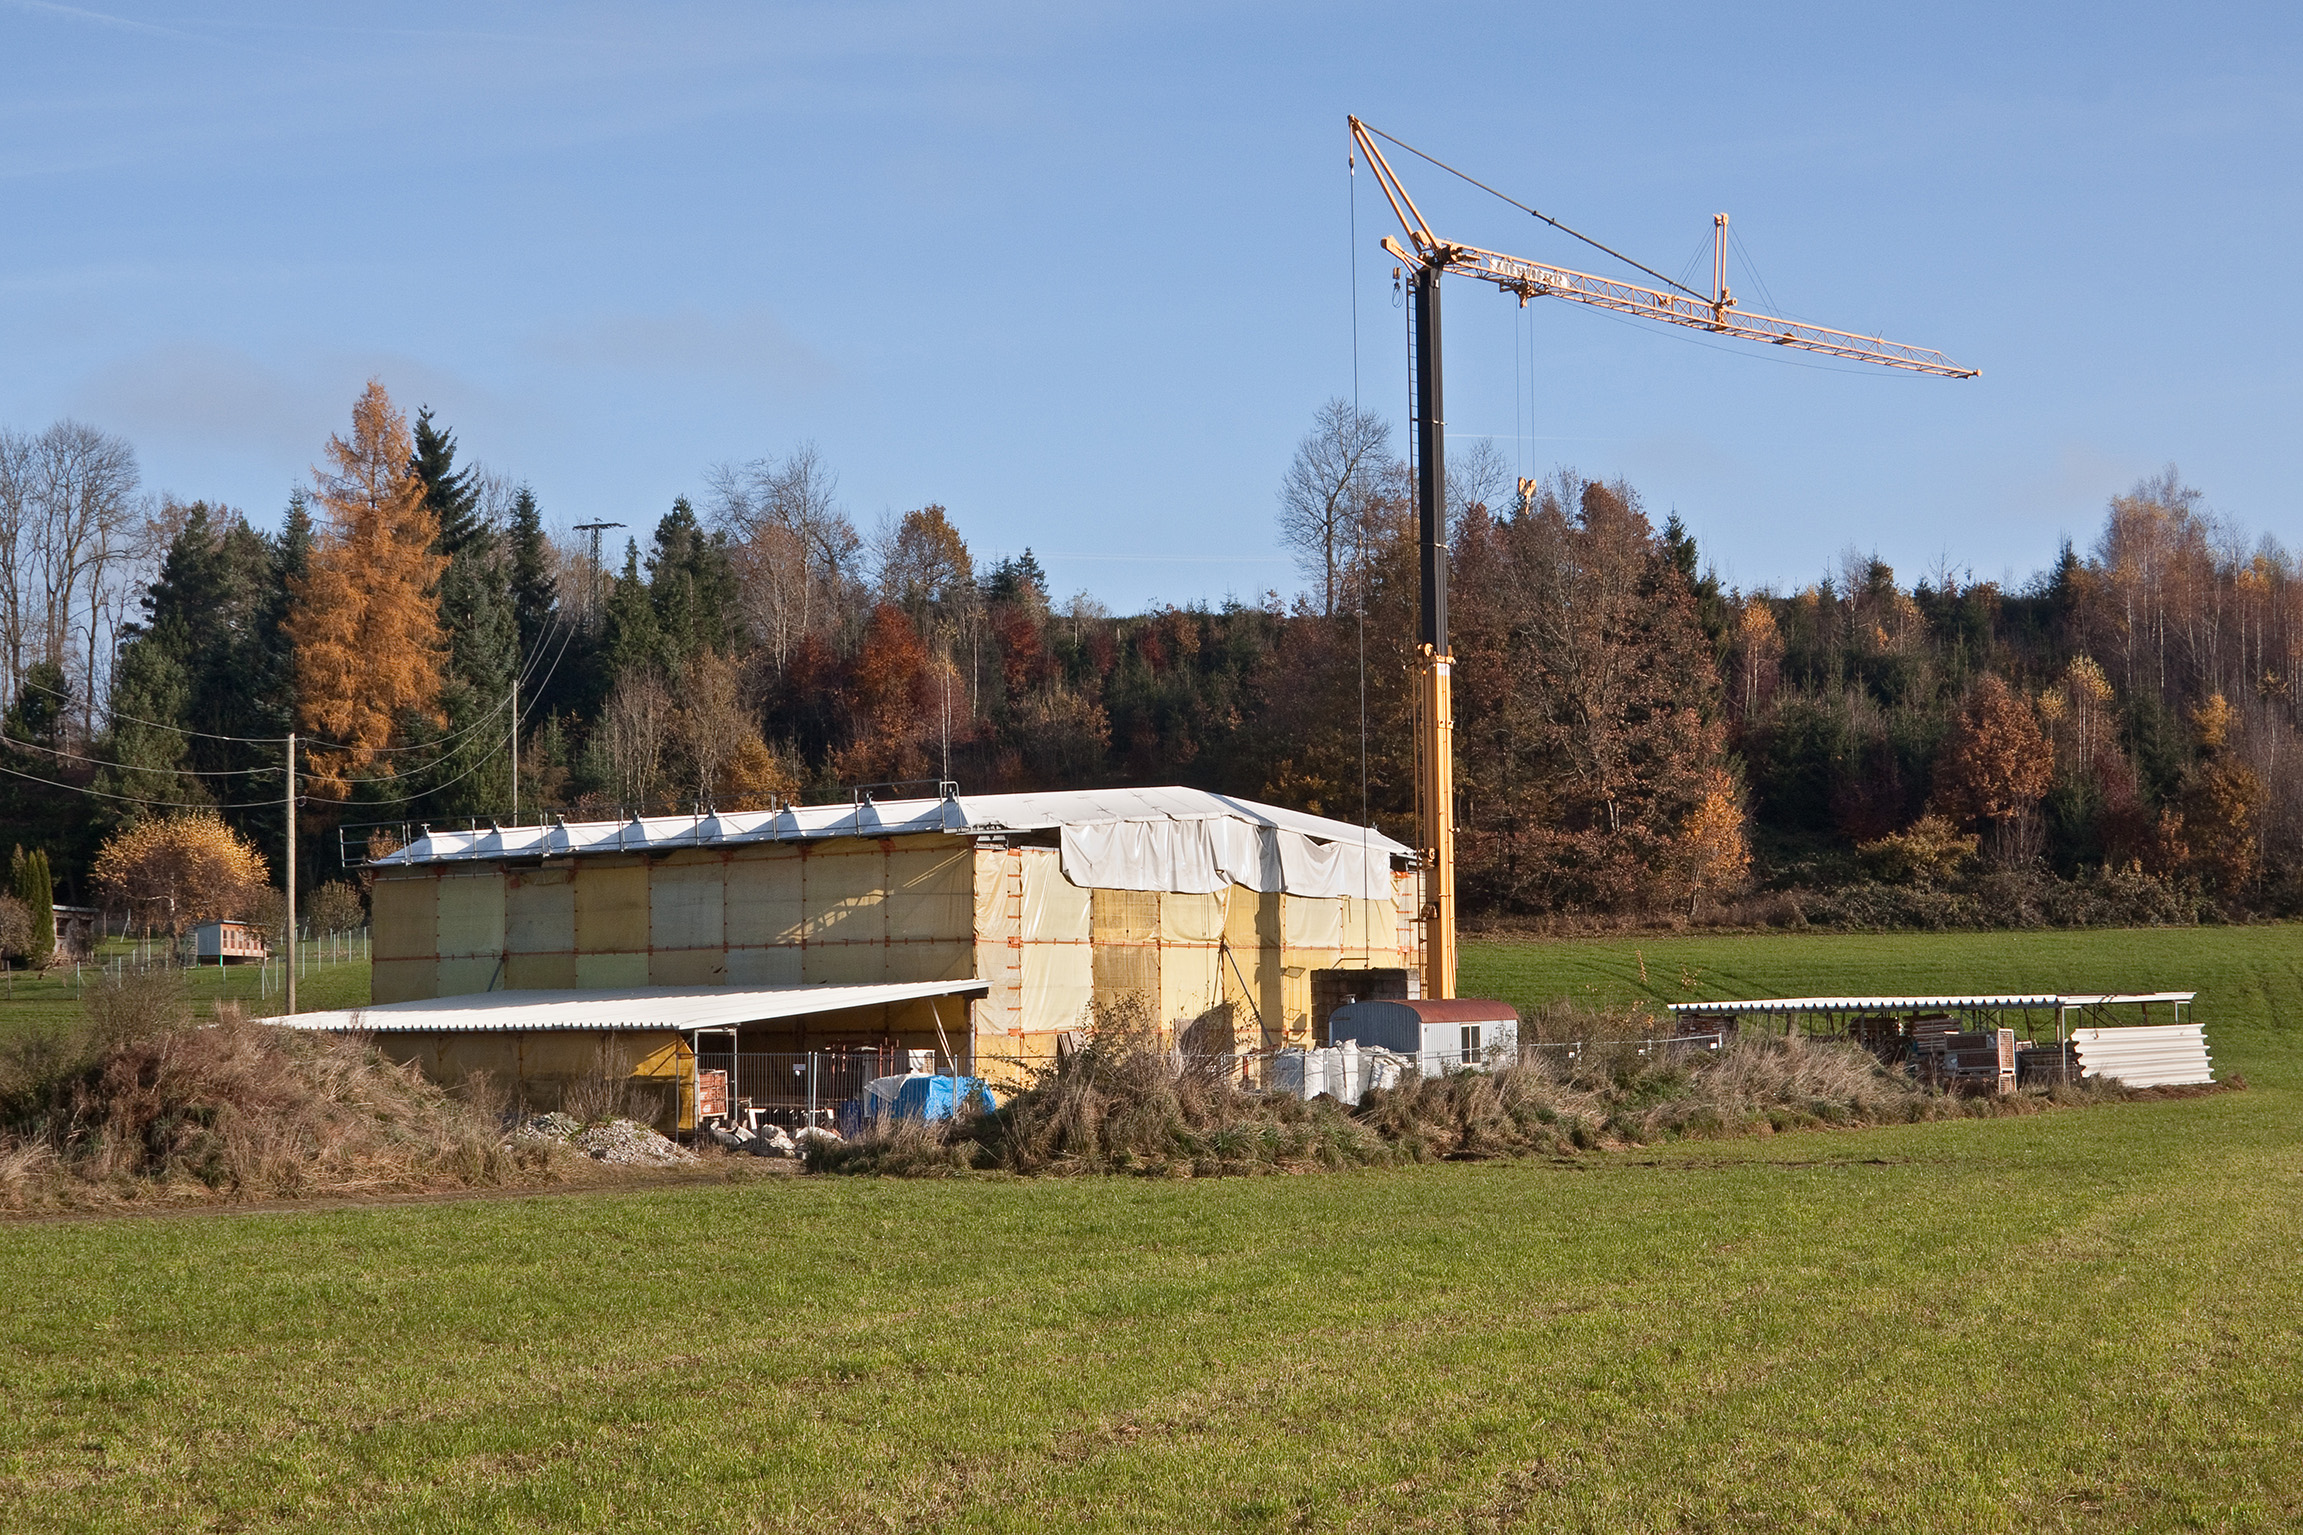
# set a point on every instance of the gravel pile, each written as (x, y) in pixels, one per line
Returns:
(619, 1142)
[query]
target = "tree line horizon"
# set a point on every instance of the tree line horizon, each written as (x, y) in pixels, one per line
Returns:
(1634, 740)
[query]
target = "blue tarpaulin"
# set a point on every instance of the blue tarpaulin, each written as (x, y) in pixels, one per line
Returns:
(937, 1097)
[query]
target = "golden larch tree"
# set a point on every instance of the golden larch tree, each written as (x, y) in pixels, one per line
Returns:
(2222, 802)
(365, 620)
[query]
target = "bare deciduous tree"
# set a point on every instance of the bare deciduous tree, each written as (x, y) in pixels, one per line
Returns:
(1329, 490)
(70, 543)
(631, 733)
(713, 723)
(797, 552)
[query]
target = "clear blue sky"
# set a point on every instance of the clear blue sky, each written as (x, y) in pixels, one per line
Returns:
(1082, 274)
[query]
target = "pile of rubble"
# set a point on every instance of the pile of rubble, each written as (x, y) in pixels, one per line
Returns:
(766, 1140)
(618, 1142)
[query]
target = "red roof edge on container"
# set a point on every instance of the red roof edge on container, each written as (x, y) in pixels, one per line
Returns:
(1455, 1009)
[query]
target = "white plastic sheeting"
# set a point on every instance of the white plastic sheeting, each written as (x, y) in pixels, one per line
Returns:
(1059, 978)
(1346, 1072)
(2157, 1055)
(1169, 839)
(1202, 854)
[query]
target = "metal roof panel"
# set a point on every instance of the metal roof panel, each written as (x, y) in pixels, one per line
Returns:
(676, 1008)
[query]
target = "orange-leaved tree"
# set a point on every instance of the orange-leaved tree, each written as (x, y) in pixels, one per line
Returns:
(1997, 764)
(2222, 800)
(365, 621)
(1714, 855)
(172, 872)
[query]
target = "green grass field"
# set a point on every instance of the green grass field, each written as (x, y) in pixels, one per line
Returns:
(30, 1000)
(2080, 1320)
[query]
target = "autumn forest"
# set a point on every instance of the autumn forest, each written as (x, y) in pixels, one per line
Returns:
(2112, 741)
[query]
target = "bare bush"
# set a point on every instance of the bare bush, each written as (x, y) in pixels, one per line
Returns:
(605, 1091)
(334, 908)
(136, 1005)
(1122, 1103)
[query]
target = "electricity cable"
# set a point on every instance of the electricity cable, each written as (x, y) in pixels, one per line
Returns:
(204, 735)
(179, 772)
(138, 799)
(431, 789)
(173, 804)
(314, 743)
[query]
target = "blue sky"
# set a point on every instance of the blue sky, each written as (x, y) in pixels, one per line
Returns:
(1083, 273)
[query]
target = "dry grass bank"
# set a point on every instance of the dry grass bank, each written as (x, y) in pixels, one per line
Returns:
(142, 1106)
(1124, 1106)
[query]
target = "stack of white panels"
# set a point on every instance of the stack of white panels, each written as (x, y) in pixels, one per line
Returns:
(2161, 1055)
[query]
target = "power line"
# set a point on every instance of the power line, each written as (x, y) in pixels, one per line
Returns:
(103, 762)
(138, 799)
(440, 745)
(432, 789)
(568, 634)
(203, 735)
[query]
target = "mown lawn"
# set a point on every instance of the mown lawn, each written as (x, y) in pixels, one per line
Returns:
(2080, 1320)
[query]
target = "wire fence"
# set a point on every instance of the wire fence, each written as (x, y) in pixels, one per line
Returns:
(259, 977)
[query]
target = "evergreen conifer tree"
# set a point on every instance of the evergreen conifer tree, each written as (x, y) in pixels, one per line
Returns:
(479, 624)
(631, 636)
(535, 595)
(145, 749)
(691, 586)
(36, 888)
(453, 494)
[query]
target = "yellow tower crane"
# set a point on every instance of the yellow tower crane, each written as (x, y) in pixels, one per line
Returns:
(1426, 256)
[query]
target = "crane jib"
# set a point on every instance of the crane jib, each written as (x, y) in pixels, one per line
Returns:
(1429, 260)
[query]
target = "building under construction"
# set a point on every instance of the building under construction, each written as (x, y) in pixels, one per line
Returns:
(981, 927)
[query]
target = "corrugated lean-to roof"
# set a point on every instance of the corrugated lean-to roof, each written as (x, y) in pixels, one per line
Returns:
(680, 1009)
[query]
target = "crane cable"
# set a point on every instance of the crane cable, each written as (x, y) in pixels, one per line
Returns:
(1537, 213)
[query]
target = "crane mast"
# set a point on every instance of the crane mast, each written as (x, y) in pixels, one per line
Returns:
(1426, 257)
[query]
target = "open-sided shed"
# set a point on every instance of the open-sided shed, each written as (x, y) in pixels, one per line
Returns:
(2144, 1039)
(540, 1045)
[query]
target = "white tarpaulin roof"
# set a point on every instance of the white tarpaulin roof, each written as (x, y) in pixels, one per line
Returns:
(681, 1009)
(1186, 840)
